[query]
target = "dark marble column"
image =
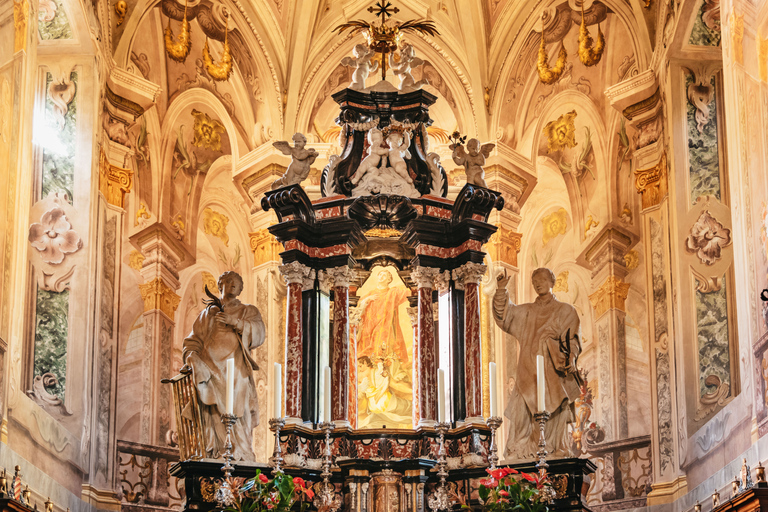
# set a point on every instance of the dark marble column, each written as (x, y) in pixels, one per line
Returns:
(295, 275)
(468, 276)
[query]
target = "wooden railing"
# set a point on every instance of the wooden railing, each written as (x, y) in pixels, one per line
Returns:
(624, 476)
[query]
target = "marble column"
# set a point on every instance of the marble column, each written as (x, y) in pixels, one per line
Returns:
(161, 280)
(295, 275)
(468, 277)
(425, 353)
(339, 278)
(605, 256)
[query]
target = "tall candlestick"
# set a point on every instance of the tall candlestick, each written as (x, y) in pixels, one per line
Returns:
(540, 402)
(230, 385)
(327, 394)
(441, 395)
(277, 385)
(492, 387)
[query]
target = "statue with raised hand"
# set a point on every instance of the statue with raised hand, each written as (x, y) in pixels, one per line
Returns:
(301, 160)
(473, 160)
(225, 329)
(550, 328)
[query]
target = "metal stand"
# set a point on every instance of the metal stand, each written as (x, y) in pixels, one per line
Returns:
(327, 499)
(276, 461)
(439, 499)
(541, 418)
(224, 494)
(494, 422)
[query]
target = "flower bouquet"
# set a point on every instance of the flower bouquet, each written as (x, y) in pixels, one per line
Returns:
(280, 494)
(507, 490)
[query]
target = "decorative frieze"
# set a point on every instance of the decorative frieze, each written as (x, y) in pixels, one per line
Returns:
(651, 183)
(505, 245)
(158, 295)
(612, 294)
(114, 181)
(264, 246)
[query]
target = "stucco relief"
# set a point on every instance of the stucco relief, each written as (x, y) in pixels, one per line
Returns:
(707, 238)
(54, 237)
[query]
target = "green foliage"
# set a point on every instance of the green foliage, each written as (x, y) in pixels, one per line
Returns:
(506, 490)
(280, 494)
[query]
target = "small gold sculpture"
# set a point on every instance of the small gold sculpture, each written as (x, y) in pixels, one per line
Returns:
(121, 8)
(178, 50)
(219, 72)
(588, 55)
(549, 75)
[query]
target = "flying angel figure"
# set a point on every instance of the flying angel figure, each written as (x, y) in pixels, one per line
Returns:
(473, 160)
(301, 160)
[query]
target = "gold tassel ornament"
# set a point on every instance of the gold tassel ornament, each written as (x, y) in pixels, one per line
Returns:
(549, 75)
(588, 55)
(178, 50)
(219, 72)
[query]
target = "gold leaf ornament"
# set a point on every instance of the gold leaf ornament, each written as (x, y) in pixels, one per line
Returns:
(589, 55)
(549, 75)
(178, 50)
(554, 224)
(561, 133)
(221, 71)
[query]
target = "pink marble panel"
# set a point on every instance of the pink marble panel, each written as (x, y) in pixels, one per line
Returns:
(327, 213)
(448, 252)
(427, 357)
(442, 213)
(327, 199)
(293, 352)
(317, 252)
(340, 364)
(473, 374)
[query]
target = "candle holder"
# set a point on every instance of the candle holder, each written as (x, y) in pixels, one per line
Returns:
(225, 495)
(439, 499)
(327, 499)
(276, 461)
(494, 422)
(542, 417)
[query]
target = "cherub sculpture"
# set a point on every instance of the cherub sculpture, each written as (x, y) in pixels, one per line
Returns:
(473, 160)
(376, 155)
(362, 64)
(408, 61)
(301, 160)
(398, 149)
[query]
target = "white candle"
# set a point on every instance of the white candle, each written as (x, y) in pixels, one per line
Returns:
(492, 387)
(327, 394)
(540, 403)
(441, 395)
(277, 384)
(230, 385)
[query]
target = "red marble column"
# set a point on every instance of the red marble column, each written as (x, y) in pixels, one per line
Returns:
(468, 276)
(295, 275)
(339, 278)
(425, 353)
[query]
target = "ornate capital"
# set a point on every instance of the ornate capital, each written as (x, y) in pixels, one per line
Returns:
(469, 273)
(612, 294)
(264, 246)
(295, 272)
(651, 183)
(424, 277)
(336, 276)
(505, 245)
(413, 315)
(20, 24)
(158, 295)
(442, 281)
(114, 182)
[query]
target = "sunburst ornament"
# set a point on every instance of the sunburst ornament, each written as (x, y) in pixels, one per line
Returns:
(385, 37)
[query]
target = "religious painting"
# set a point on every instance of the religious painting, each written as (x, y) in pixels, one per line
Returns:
(384, 352)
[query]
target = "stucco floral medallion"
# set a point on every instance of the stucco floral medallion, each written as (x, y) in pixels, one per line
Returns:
(706, 238)
(54, 237)
(215, 224)
(554, 224)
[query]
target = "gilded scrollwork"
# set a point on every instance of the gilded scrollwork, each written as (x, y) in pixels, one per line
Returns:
(215, 224)
(561, 133)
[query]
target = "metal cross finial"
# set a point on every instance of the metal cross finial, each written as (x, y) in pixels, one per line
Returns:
(383, 10)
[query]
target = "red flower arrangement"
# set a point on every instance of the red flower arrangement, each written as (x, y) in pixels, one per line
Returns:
(280, 494)
(507, 490)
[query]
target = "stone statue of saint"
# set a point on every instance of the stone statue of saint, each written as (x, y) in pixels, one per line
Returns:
(225, 329)
(551, 328)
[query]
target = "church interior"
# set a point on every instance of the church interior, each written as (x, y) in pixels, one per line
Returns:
(330, 215)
